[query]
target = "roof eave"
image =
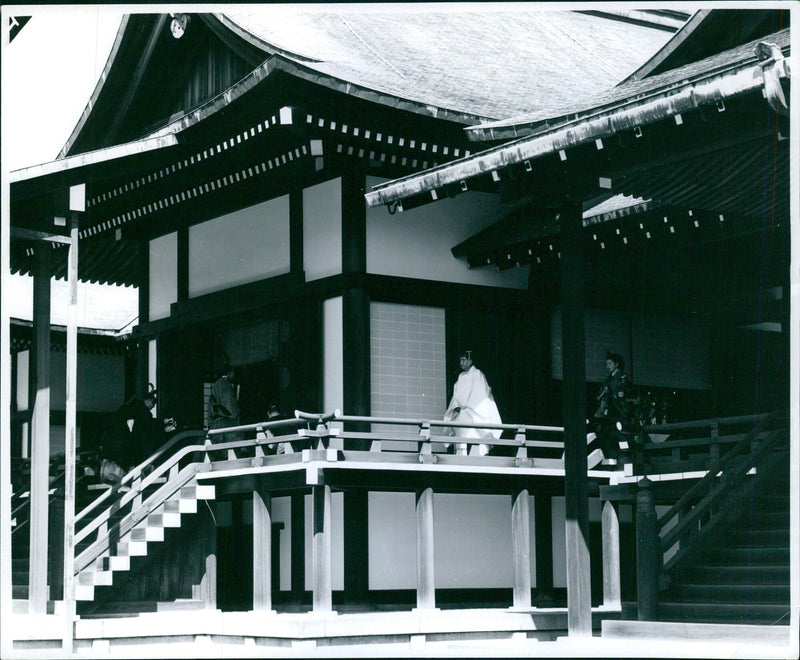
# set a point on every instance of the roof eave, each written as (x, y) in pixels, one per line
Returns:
(636, 113)
(93, 158)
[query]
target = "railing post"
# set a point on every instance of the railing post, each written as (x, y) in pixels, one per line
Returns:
(521, 548)
(612, 597)
(648, 551)
(321, 547)
(426, 593)
(262, 548)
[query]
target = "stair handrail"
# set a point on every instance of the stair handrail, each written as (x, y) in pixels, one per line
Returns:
(135, 472)
(706, 423)
(124, 497)
(710, 489)
(122, 526)
(719, 466)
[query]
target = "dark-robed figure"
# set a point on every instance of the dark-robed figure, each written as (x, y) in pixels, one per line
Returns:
(130, 435)
(614, 407)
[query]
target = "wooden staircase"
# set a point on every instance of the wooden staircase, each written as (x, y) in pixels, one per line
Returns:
(744, 576)
(135, 542)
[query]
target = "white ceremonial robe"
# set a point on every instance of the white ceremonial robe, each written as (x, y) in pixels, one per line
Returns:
(473, 398)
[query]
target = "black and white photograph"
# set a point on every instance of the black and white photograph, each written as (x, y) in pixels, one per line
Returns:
(409, 330)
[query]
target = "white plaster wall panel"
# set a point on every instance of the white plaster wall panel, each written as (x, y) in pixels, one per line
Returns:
(473, 541)
(337, 541)
(407, 363)
(333, 355)
(322, 229)
(23, 375)
(417, 243)
(163, 272)
(100, 385)
(245, 246)
(282, 513)
(392, 540)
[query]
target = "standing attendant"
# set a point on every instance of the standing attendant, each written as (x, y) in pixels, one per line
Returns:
(613, 408)
(472, 402)
(223, 404)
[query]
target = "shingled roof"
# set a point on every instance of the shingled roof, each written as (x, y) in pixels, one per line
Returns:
(493, 61)
(540, 122)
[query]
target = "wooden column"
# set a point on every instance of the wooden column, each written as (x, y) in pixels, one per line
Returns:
(648, 552)
(521, 548)
(182, 275)
(322, 590)
(612, 593)
(356, 378)
(426, 592)
(40, 432)
(543, 519)
(296, 231)
(579, 613)
(356, 545)
(298, 547)
(77, 199)
(262, 547)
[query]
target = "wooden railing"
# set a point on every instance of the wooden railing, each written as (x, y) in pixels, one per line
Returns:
(689, 446)
(121, 507)
(663, 549)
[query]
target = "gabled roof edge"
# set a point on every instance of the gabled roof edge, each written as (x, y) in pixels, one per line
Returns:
(677, 39)
(87, 111)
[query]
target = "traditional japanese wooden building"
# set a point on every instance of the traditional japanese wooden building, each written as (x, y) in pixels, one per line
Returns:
(339, 201)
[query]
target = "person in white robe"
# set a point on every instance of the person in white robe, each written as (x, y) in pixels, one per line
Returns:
(472, 402)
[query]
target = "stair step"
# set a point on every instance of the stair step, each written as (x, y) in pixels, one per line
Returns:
(181, 604)
(113, 563)
(766, 574)
(709, 612)
(750, 556)
(94, 578)
(84, 592)
(19, 591)
(146, 533)
(729, 593)
(759, 537)
(131, 549)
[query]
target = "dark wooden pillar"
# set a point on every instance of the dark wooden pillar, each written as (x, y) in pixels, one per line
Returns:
(321, 549)
(426, 592)
(142, 361)
(40, 431)
(648, 552)
(296, 231)
(543, 519)
(355, 299)
(356, 377)
(182, 274)
(521, 547)
(579, 613)
(298, 547)
(262, 547)
(356, 545)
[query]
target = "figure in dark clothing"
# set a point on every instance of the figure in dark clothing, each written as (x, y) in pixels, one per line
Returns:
(614, 408)
(131, 434)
